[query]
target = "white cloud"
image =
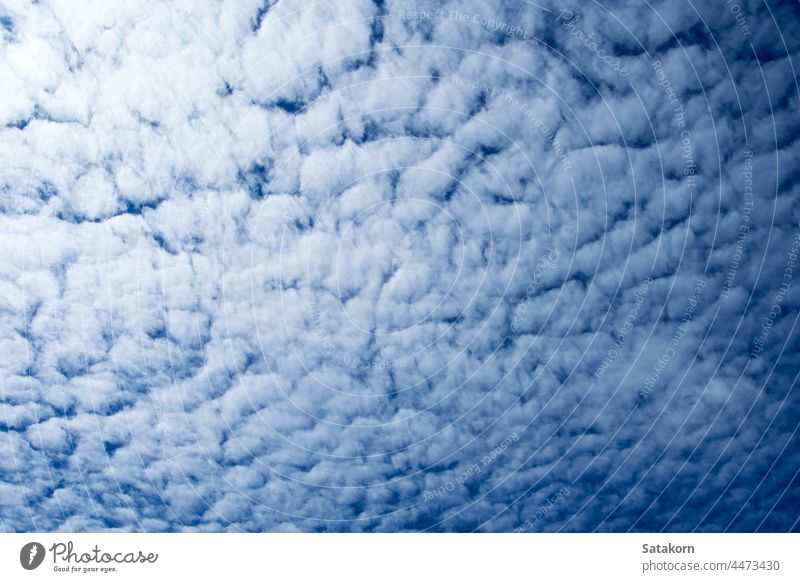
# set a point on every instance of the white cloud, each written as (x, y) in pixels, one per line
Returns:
(259, 267)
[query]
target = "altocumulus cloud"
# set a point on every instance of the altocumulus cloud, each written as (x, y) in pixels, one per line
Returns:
(386, 266)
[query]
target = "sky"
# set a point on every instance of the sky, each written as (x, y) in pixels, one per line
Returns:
(386, 266)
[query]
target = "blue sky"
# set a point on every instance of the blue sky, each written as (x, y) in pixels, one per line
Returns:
(386, 266)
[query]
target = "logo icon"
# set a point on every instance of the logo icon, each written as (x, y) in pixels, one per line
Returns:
(31, 555)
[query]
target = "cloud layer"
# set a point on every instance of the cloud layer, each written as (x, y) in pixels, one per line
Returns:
(380, 266)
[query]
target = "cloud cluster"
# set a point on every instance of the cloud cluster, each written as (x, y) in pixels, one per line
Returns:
(356, 266)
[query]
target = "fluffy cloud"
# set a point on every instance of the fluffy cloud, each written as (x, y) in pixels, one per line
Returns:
(380, 266)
